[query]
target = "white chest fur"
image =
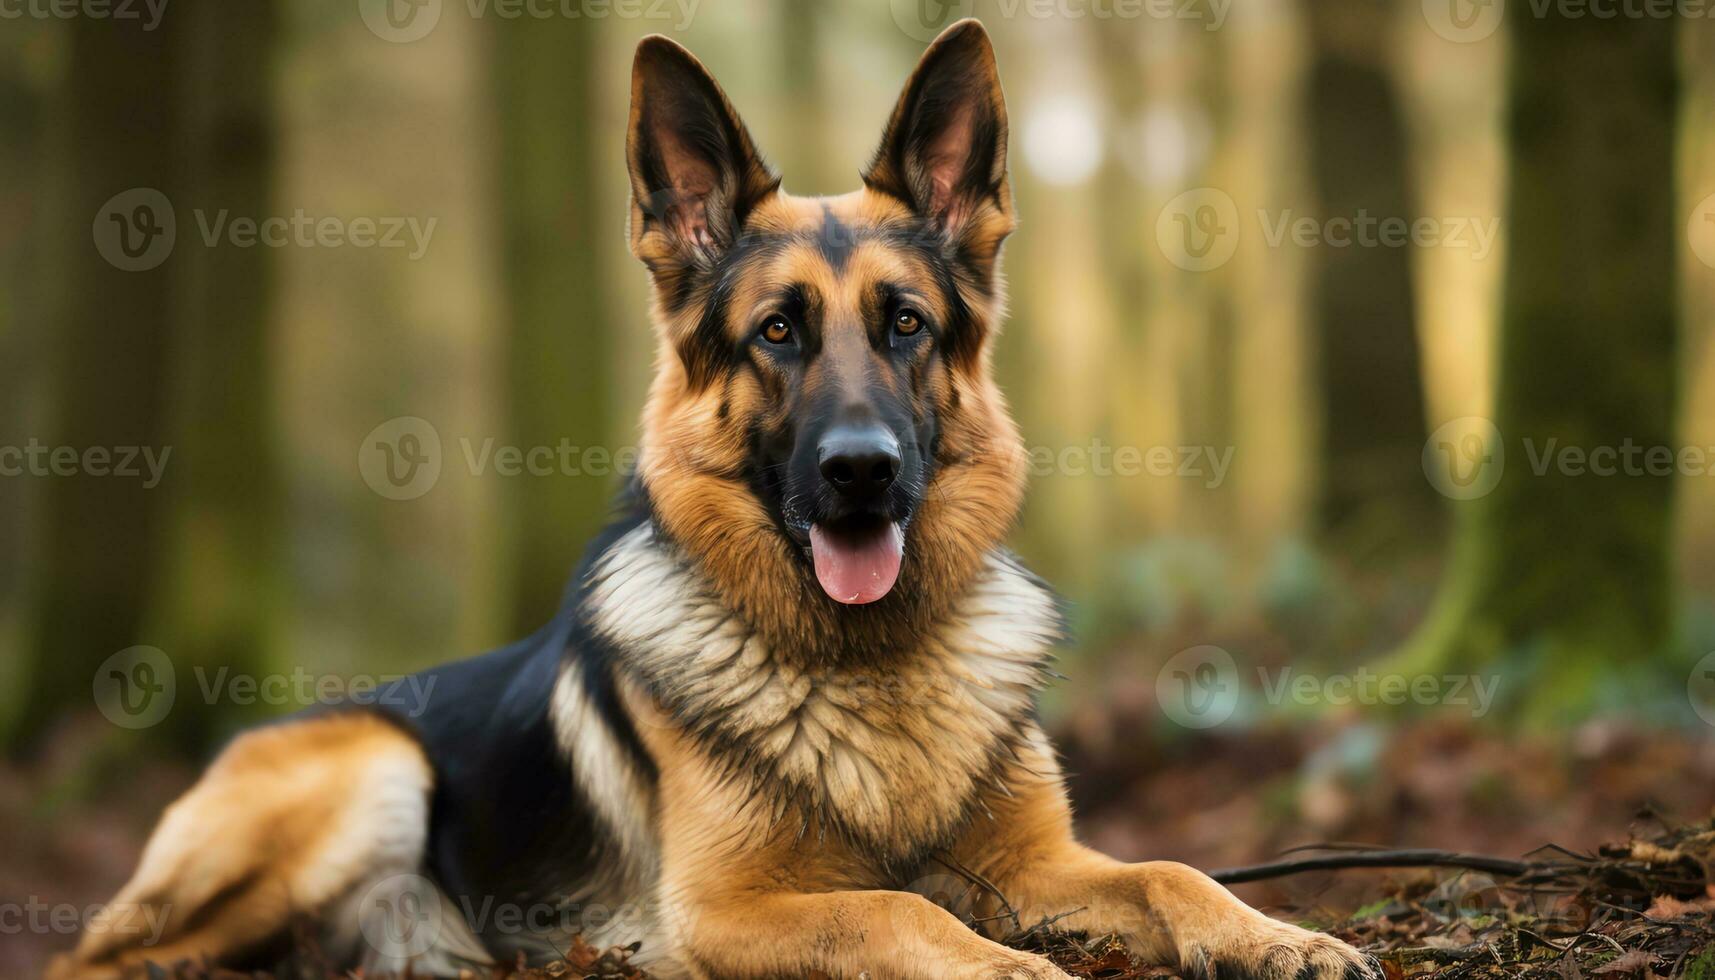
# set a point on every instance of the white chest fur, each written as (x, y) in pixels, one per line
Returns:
(892, 758)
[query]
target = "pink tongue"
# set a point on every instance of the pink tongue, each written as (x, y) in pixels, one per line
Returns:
(855, 569)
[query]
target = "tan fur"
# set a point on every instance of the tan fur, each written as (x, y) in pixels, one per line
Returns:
(747, 898)
(745, 895)
(287, 821)
(692, 455)
(790, 810)
(1165, 912)
(888, 754)
(802, 813)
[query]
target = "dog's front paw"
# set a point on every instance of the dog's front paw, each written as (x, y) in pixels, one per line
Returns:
(1277, 951)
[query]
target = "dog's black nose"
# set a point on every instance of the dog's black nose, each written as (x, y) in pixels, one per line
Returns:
(859, 461)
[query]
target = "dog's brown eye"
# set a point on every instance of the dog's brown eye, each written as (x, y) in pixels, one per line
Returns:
(776, 330)
(907, 322)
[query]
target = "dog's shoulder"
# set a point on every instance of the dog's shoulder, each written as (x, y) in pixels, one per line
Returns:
(542, 787)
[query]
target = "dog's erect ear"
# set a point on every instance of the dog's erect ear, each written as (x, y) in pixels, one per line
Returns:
(695, 173)
(944, 149)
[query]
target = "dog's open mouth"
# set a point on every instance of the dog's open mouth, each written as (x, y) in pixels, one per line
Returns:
(857, 562)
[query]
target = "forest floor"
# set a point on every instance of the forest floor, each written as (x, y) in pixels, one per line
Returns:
(1621, 815)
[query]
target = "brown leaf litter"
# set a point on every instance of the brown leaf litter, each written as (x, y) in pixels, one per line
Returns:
(1640, 910)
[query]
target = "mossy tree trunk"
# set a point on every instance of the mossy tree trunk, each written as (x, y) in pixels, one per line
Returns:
(223, 576)
(111, 331)
(1363, 321)
(558, 376)
(170, 358)
(24, 129)
(1560, 576)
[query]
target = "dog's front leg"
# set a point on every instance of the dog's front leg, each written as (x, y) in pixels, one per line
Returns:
(743, 894)
(873, 934)
(1167, 913)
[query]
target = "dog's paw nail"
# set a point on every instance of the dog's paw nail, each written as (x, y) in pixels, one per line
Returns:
(1287, 953)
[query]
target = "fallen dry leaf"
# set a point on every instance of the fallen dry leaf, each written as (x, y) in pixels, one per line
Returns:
(1664, 908)
(1631, 961)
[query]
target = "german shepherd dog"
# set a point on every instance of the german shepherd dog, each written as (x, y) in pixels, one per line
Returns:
(790, 698)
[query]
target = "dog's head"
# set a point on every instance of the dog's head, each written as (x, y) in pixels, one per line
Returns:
(824, 435)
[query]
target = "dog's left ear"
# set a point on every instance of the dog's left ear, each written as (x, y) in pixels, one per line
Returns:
(944, 149)
(695, 173)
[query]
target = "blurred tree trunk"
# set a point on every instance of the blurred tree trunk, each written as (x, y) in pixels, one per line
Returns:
(1125, 90)
(1272, 395)
(558, 369)
(1065, 321)
(23, 335)
(172, 358)
(804, 156)
(1564, 574)
(112, 328)
(1362, 312)
(1155, 301)
(1697, 185)
(224, 572)
(1207, 415)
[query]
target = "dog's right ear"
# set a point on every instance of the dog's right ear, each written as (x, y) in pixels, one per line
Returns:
(695, 173)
